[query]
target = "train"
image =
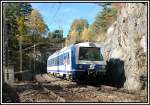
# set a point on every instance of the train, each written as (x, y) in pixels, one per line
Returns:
(79, 61)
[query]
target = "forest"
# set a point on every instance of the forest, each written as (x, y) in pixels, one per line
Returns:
(25, 34)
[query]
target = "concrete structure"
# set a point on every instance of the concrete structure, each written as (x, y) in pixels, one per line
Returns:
(9, 74)
(23, 76)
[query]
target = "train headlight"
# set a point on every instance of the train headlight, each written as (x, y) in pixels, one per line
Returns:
(103, 66)
(80, 66)
(92, 66)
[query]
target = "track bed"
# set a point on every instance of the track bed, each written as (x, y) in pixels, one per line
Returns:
(48, 88)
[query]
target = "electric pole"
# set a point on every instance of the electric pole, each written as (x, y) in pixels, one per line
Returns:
(34, 58)
(20, 50)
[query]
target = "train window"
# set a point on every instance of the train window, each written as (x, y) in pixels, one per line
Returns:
(68, 59)
(49, 62)
(64, 60)
(90, 54)
(65, 57)
(55, 61)
(60, 59)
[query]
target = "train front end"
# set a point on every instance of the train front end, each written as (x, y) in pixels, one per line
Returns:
(89, 61)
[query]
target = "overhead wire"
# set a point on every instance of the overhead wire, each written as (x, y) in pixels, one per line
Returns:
(58, 8)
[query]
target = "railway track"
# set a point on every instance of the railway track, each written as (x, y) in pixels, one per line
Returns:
(68, 91)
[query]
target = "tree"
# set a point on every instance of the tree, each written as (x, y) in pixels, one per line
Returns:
(78, 25)
(50, 35)
(22, 27)
(57, 34)
(73, 37)
(103, 20)
(76, 29)
(11, 17)
(36, 24)
(11, 11)
(86, 34)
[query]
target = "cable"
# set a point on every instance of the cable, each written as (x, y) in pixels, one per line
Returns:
(55, 13)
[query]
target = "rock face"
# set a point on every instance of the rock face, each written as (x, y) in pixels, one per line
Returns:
(125, 46)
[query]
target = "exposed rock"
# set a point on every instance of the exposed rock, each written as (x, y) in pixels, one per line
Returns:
(126, 41)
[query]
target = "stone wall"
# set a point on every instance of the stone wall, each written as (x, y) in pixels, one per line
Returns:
(127, 41)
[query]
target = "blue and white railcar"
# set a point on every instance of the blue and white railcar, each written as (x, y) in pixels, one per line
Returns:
(77, 61)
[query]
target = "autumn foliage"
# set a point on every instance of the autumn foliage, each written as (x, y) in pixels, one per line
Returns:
(81, 31)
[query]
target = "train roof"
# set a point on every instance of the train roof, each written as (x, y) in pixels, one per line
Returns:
(63, 49)
(86, 44)
(89, 44)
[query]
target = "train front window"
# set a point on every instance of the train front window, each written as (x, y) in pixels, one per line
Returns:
(90, 54)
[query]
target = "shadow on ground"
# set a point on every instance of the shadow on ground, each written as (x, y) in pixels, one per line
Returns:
(9, 95)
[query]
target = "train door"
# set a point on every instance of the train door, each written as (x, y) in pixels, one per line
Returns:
(65, 64)
(58, 64)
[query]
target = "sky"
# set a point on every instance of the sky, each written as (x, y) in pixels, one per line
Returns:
(61, 15)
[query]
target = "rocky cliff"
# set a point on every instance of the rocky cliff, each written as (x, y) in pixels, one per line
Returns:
(126, 46)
